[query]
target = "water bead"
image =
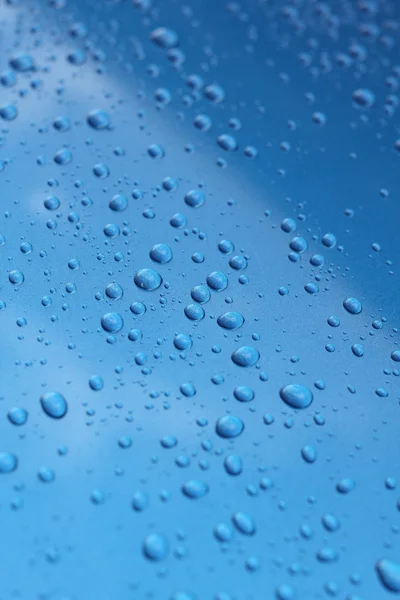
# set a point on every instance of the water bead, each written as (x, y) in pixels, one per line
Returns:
(54, 405)
(188, 390)
(243, 393)
(52, 203)
(195, 489)
(182, 341)
(112, 322)
(333, 321)
(22, 62)
(288, 225)
(178, 221)
(244, 523)
(225, 246)
(389, 574)
(309, 454)
(114, 291)
(195, 198)
(217, 281)
(230, 320)
(17, 416)
(98, 119)
(238, 263)
(296, 395)
(357, 350)
(194, 312)
(8, 462)
(164, 38)
(227, 142)
(8, 112)
(298, 244)
(118, 203)
(345, 486)
(16, 277)
(155, 547)
(161, 253)
(229, 426)
(138, 308)
(363, 98)
(233, 464)
(101, 171)
(353, 306)
(147, 279)
(200, 294)
(96, 383)
(395, 355)
(246, 356)
(329, 240)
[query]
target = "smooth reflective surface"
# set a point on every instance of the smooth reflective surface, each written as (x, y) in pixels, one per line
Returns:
(199, 361)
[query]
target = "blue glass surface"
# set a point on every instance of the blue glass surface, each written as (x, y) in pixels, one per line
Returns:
(199, 350)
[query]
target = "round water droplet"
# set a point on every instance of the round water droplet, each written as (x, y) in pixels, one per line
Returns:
(363, 97)
(18, 416)
(16, 277)
(195, 488)
(112, 322)
(118, 203)
(98, 119)
(230, 320)
(243, 393)
(182, 341)
(8, 112)
(395, 355)
(54, 405)
(161, 253)
(233, 464)
(155, 547)
(195, 198)
(229, 426)
(246, 356)
(194, 312)
(296, 395)
(8, 462)
(309, 454)
(353, 306)
(147, 279)
(96, 383)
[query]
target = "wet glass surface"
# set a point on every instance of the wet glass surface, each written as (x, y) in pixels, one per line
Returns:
(199, 351)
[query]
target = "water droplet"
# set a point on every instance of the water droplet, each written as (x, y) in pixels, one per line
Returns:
(161, 253)
(246, 356)
(54, 405)
(233, 464)
(309, 454)
(195, 198)
(389, 574)
(164, 37)
(18, 415)
(155, 547)
(230, 320)
(244, 523)
(96, 383)
(243, 393)
(195, 489)
(296, 395)
(118, 203)
(229, 426)
(112, 322)
(147, 279)
(8, 462)
(98, 119)
(352, 305)
(16, 277)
